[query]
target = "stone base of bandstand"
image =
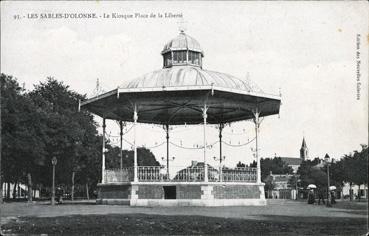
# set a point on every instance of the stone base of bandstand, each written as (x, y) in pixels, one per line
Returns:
(182, 194)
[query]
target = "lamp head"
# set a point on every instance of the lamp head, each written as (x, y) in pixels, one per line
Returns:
(54, 161)
(326, 158)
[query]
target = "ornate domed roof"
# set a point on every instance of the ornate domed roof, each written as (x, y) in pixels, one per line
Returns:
(174, 95)
(191, 76)
(182, 42)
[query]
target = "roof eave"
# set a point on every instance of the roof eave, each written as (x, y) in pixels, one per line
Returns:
(179, 88)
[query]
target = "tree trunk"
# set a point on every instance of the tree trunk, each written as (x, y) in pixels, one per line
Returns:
(30, 192)
(8, 191)
(72, 194)
(350, 191)
(87, 193)
(1, 184)
(358, 193)
(15, 189)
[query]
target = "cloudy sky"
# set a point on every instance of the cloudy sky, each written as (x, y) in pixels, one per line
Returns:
(306, 50)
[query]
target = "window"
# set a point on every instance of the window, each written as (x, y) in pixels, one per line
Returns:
(167, 59)
(194, 58)
(179, 57)
(175, 57)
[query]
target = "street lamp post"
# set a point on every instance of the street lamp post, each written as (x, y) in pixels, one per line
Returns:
(220, 167)
(53, 162)
(327, 160)
(297, 180)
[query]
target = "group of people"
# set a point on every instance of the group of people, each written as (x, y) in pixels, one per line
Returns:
(320, 192)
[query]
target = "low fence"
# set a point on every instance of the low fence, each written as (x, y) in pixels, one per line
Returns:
(189, 174)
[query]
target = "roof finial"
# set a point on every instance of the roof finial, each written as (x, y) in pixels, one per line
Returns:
(98, 89)
(182, 25)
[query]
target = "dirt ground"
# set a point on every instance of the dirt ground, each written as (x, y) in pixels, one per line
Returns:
(279, 217)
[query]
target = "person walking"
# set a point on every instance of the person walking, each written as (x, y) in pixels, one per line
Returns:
(311, 197)
(321, 196)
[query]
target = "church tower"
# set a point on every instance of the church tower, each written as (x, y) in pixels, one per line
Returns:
(303, 150)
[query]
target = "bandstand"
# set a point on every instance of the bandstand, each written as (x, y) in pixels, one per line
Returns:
(180, 93)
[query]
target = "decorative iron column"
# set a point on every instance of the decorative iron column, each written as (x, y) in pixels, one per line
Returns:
(103, 152)
(135, 117)
(205, 116)
(167, 131)
(121, 145)
(221, 126)
(257, 124)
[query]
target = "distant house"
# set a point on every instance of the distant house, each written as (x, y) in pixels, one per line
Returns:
(280, 181)
(280, 187)
(293, 162)
(356, 192)
(194, 172)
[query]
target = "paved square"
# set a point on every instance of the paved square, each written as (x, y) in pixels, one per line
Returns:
(278, 217)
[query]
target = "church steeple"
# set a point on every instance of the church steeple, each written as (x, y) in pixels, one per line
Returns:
(303, 150)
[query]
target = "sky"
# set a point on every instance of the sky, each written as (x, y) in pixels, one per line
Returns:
(305, 51)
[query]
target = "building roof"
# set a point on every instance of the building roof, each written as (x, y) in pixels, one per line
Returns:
(281, 177)
(182, 42)
(292, 160)
(303, 145)
(178, 95)
(179, 76)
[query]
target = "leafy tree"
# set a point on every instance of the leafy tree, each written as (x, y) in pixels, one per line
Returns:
(71, 135)
(44, 123)
(274, 165)
(252, 164)
(310, 173)
(336, 173)
(293, 182)
(144, 158)
(22, 133)
(240, 165)
(355, 168)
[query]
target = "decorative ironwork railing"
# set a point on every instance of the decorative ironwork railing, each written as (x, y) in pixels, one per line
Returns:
(151, 174)
(189, 174)
(241, 174)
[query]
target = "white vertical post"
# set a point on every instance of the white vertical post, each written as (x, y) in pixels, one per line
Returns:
(221, 126)
(167, 130)
(121, 145)
(205, 116)
(103, 152)
(257, 124)
(135, 117)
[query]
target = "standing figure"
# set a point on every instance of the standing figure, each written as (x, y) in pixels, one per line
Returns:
(311, 197)
(333, 198)
(59, 195)
(321, 196)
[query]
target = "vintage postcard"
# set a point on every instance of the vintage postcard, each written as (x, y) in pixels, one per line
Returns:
(184, 117)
